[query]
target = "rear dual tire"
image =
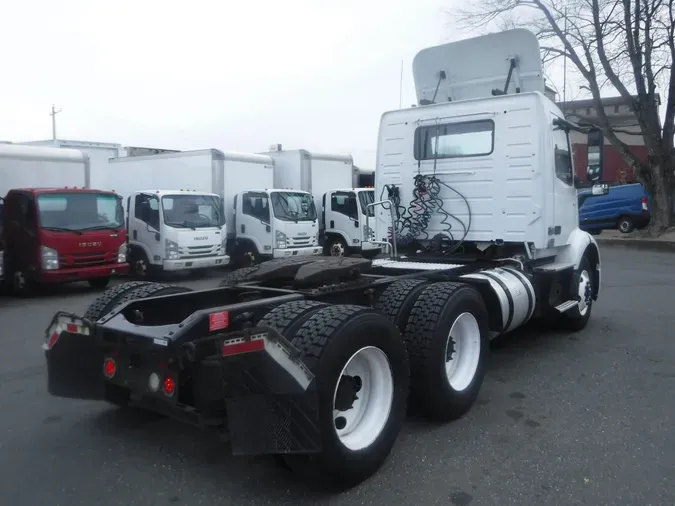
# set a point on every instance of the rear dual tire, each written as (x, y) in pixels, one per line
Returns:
(362, 380)
(446, 332)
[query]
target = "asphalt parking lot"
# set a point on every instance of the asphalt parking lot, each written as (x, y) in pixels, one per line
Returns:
(562, 419)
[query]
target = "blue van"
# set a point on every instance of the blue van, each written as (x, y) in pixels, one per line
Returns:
(625, 207)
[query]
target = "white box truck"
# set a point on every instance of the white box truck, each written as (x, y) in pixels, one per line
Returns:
(267, 222)
(333, 180)
(175, 221)
(216, 216)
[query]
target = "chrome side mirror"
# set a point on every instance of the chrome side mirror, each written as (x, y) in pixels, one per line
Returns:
(600, 189)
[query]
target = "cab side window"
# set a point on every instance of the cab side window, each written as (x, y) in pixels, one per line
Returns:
(256, 205)
(147, 210)
(564, 169)
(344, 203)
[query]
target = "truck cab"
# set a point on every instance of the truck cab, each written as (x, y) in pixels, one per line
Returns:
(343, 222)
(60, 235)
(274, 223)
(172, 230)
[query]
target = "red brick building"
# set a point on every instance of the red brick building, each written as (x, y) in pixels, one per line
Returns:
(622, 118)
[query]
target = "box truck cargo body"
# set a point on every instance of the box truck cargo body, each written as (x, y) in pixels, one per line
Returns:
(333, 180)
(55, 230)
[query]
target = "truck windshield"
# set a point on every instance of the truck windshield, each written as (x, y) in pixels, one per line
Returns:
(293, 206)
(365, 198)
(192, 211)
(80, 211)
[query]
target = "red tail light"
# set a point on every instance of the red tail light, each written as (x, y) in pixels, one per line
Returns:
(109, 367)
(644, 204)
(168, 386)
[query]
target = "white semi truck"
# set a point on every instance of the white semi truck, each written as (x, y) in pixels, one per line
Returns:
(316, 360)
(214, 215)
(332, 179)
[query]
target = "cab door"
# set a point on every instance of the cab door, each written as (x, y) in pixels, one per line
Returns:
(565, 201)
(22, 239)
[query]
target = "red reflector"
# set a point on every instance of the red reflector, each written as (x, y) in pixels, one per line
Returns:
(219, 321)
(169, 386)
(109, 367)
(238, 347)
(52, 339)
(72, 328)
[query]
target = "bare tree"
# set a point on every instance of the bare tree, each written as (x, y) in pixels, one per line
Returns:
(627, 45)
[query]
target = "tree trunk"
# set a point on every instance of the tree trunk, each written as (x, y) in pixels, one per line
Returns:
(661, 197)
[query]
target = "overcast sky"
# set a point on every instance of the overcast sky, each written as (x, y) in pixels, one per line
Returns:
(230, 75)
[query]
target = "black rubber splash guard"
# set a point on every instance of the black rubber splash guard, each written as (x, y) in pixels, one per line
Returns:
(74, 358)
(270, 398)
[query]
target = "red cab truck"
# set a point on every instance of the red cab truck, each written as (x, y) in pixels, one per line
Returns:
(55, 228)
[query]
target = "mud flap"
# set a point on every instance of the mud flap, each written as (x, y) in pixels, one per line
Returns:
(74, 359)
(268, 395)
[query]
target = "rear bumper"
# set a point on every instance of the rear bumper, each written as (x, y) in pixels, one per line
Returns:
(82, 273)
(196, 263)
(264, 397)
(298, 252)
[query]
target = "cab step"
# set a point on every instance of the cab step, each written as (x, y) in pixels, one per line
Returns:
(566, 306)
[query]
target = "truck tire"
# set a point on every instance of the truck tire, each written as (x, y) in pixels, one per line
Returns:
(337, 247)
(447, 336)
(353, 349)
(576, 319)
(289, 317)
(151, 290)
(397, 300)
(99, 283)
(238, 276)
(105, 302)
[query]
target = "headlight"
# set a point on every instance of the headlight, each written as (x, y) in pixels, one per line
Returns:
(122, 254)
(2, 264)
(281, 240)
(171, 250)
(223, 246)
(50, 258)
(316, 238)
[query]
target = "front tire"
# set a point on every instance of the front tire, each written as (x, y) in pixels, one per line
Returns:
(362, 381)
(337, 247)
(576, 319)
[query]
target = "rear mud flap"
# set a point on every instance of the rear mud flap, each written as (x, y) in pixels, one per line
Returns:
(74, 359)
(269, 398)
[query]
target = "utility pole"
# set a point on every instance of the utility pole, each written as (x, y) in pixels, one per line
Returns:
(400, 87)
(53, 115)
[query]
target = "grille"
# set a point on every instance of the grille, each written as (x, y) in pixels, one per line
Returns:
(198, 251)
(89, 259)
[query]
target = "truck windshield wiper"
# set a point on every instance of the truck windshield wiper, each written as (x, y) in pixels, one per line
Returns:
(61, 229)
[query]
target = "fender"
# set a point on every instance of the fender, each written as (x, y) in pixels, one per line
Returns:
(581, 244)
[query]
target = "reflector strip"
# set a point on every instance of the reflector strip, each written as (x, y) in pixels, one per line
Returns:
(240, 345)
(52, 339)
